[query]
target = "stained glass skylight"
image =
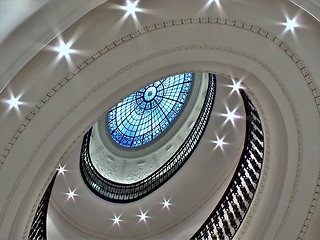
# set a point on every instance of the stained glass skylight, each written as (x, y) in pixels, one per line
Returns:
(145, 114)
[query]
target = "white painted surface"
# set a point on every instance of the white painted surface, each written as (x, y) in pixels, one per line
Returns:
(288, 193)
(15, 12)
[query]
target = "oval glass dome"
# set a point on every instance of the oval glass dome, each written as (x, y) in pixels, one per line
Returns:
(145, 114)
(123, 174)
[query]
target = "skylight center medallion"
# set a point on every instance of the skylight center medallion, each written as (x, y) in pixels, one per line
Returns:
(145, 114)
(150, 94)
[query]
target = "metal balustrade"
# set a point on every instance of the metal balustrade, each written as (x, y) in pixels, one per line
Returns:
(229, 213)
(124, 193)
(38, 230)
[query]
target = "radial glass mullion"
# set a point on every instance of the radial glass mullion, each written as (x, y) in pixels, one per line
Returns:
(145, 114)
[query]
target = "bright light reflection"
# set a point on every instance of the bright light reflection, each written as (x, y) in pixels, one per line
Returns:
(209, 5)
(14, 102)
(216, 2)
(230, 116)
(219, 143)
(166, 203)
(143, 216)
(64, 49)
(71, 194)
(131, 8)
(61, 169)
(116, 220)
(291, 24)
(236, 86)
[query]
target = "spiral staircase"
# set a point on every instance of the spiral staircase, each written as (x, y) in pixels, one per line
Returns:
(64, 64)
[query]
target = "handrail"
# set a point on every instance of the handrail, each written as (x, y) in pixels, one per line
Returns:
(229, 213)
(124, 193)
(38, 229)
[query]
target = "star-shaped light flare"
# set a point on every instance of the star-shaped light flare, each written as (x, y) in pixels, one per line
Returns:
(236, 86)
(143, 216)
(131, 7)
(14, 102)
(166, 203)
(230, 116)
(291, 24)
(116, 220)
(71, 194)
(61, 170)
(219, 143)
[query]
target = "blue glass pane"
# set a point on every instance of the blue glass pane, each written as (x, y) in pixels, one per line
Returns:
(145, 114)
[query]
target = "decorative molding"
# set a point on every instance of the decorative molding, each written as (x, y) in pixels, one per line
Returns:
(136, 163)
(228, 215)
(245, 224)
(153, 27)
(117, 192)
(265, 167)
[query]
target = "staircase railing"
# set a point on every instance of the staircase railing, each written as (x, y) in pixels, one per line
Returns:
(38, 230)
(229, 213)
(124, 193)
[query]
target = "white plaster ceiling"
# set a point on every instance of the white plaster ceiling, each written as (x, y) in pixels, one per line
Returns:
(310, 6)
(316, 1)
(280, 68)
(92, 216)
(27, 26)
(15, 12)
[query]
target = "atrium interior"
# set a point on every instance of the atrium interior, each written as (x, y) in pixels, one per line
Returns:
(160, 119)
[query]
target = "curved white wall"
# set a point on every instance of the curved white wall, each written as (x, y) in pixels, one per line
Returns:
(237, 48)
(28, 26)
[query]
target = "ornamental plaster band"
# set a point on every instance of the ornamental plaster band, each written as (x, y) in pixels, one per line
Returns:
(201, 20)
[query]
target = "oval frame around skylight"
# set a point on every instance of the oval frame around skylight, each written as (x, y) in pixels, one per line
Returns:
(119, 192)
(137, 163)
(146, 114)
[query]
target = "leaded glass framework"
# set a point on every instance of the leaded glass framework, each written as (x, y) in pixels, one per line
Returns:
(145, 114)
